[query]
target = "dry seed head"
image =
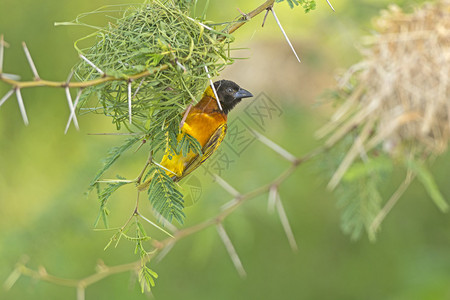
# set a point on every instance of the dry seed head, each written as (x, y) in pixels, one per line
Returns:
(399, 95)
(403, 83)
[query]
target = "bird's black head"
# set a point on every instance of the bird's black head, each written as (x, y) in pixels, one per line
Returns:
(230, 94)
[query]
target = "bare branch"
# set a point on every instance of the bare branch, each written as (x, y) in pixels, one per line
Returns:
(241, 21)
(231, 251)
(30, 61)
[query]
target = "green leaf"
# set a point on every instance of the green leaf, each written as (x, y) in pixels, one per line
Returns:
(164, 196)
(426, 178)
(147, 278)
(112, 157)
(307, 5)
(103, 197)
(380, 164)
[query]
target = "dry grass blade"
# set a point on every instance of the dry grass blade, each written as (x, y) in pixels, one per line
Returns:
(400, 89)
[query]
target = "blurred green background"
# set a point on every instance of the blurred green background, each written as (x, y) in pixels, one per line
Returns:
(44, 174)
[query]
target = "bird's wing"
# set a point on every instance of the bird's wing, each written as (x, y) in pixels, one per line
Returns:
(209, 148)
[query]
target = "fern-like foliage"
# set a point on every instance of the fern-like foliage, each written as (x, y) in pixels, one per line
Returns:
(103, 196)
(164, 195)
(359, 195)
(112, 156)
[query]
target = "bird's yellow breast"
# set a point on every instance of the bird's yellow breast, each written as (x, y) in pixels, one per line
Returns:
(199, 125)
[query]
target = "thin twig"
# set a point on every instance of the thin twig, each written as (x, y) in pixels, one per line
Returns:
(188, 109)
(265, 16)
(30, 61)
(242, 20)
(83, 84)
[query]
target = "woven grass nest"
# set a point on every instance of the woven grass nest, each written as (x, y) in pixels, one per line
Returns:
(156, 35)
(398, 96)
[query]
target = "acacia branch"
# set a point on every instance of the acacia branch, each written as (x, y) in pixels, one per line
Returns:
(159, 246)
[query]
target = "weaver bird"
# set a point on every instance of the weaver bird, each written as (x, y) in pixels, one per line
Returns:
(207, 123)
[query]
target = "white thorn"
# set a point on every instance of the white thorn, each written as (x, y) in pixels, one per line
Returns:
(330, 5)
(213, 88)
(284, 33)
(72, 111)
(285, 222)
(231, 251)
(156, 225)
(138, 88)
(69, 78)
(7, 95)
(92, 65)
(2, 48)
(229, 204)
(30, 61)
(129, 101)
(199, 23)
(275, 147)
(273, 195)
(226, 186)
(22, 106)
(164, 252)
(172, 228)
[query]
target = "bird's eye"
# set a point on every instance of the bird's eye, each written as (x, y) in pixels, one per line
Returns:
(230, 90)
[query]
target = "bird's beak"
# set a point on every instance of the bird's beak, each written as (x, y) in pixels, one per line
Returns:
(242, 94)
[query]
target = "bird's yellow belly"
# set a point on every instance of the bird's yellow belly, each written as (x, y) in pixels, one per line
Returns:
(202, 127)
